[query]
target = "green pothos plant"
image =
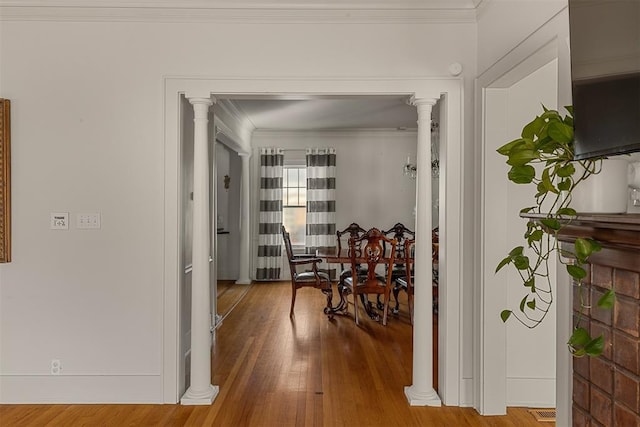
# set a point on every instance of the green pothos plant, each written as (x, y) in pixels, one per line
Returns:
(544, 157)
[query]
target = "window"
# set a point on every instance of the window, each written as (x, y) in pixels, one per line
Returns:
(294, 201)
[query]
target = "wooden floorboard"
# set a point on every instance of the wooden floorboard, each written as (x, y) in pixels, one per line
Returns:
(277, 371)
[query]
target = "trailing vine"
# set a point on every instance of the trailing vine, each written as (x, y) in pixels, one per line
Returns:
(544, 157)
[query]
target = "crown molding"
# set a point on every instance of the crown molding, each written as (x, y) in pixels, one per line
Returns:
(206, 11)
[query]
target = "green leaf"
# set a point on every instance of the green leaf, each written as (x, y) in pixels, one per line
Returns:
(522, 174)
(532, 304)
(516, 251)
(576, 272)
(606, 301)
(521, 262)
(526, 210)
(530, 283)
(504, 262)
(579, 337)
(567, 211)
(546, 181)
(553, 224)
(583, 248)
(564, 185)
(505, 315)
(566, 170)
(536, 236)
(560, 132)
(595, 245)
(523, 303)
(521, 157)
(595, 347)
(532, 129)
(506, 148)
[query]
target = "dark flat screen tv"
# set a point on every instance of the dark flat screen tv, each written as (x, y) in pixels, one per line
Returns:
(605, 75)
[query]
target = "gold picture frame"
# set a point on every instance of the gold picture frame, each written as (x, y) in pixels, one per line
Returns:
(5, 180)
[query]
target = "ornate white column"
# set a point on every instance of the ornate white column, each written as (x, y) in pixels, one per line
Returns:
(245, 236)
(200, 392)
(421, 392)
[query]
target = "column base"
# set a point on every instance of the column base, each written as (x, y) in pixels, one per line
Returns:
(200, 398)
(421, 398)
(243, 282)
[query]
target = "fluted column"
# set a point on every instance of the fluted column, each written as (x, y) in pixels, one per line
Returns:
(201, 391)
(421, 392)
(245, 235)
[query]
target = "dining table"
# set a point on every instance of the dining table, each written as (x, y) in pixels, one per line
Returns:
(332, 255)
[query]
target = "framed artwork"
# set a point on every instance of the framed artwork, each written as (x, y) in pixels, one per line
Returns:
(5, 180)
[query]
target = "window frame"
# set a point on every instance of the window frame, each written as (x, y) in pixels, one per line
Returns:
(297, 248)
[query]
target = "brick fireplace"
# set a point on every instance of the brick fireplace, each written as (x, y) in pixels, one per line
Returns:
(606, 389)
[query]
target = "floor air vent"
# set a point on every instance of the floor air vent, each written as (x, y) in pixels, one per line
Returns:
(544, 415)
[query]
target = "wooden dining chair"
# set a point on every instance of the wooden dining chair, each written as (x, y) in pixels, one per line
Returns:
(310, 277)
(405, 283)
(343, 236)
(400, 233)
(372, 255)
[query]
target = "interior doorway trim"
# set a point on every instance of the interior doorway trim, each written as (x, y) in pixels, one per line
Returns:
(451, 202)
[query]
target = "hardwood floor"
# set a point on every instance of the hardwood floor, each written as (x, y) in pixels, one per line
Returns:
(277, 371)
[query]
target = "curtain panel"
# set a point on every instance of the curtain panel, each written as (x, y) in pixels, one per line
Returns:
(269, 261)
(321, 201)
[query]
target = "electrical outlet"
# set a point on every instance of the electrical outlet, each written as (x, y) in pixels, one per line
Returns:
(56, 367)
(59, 221)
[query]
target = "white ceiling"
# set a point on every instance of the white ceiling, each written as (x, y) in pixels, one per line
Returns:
(363, 112)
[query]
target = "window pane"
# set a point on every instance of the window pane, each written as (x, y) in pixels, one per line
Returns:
(285, 181)
(293, 196)
(293, 177)
(294, 219)
(302, 181)
(302, 197)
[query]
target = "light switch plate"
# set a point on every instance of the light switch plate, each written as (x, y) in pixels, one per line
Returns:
(88, 220)
(59, 221)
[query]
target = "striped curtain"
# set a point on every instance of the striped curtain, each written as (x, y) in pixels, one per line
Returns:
(269, 262)
(321, 201)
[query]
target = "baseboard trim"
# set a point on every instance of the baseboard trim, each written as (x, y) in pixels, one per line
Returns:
(67, 389)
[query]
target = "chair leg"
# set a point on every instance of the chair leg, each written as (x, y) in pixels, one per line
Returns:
(385, 312)
(410, 298)
(355, 307)
(293, 298)
(328, 310)
(396, 295)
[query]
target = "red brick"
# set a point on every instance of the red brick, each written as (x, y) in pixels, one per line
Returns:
(602, 276)
(626, 315)
(625, 418)
(581, 367)
(627, 283)
(601, 407)
(601, 374)
(627, 390)
(580, 418)
(626, 350)
(581, 395)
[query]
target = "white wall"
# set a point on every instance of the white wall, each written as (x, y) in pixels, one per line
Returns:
(87, 104)
(512, 72)
(371, 188)
(504, 24)
(530, 359)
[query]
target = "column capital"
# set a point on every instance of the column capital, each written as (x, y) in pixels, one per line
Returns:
(200, 100)
(247, 155)
(422, 101)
